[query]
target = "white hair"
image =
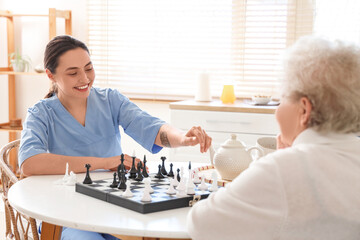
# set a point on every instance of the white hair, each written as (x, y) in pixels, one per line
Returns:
(328, 74)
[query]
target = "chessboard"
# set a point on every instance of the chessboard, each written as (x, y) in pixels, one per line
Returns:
(160, 200)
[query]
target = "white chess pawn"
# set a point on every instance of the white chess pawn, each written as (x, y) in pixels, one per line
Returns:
(190, 188)
(127, 192)
(181, 193)
(214, 187)
(71, 181)
(196, 177)
(146, 196)
(171, 189)
(175, 181)
(182, 184)
(203, 186)
(148, 187)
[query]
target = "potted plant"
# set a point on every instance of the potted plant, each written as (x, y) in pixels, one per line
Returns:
(19, 63)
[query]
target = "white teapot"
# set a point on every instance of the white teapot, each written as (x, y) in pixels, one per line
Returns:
(232, 158)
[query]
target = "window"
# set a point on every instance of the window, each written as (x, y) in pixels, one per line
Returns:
(156, 49)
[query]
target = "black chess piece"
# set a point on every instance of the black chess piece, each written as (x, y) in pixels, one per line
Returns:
(163, 170)
(139, 176)
(122, 181)
(114, 183)
(133, 169)
(171, 173)
(121, 166)
(178, 175)
(189, 165)
(87, 179)
(144, 170)
(159, 174)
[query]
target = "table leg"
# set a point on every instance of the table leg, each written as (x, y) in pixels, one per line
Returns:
(50, 231)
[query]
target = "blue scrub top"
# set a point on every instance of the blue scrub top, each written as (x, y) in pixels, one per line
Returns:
(50, 128)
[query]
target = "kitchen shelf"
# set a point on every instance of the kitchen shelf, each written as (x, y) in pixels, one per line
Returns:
(11, 75)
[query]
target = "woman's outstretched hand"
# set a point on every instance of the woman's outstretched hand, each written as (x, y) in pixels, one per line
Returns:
(197, 135)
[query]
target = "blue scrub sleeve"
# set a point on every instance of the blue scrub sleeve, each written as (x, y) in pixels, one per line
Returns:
(33, 136)
(138, 124)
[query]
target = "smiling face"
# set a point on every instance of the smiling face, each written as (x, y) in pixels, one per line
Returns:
(74, 76)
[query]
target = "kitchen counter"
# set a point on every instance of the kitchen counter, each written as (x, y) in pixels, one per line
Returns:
(244, 106)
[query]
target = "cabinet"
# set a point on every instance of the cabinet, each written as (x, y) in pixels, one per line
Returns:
(220, 121)
(13, 126)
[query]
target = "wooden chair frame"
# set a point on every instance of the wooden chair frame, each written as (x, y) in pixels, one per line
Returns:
(17, 224)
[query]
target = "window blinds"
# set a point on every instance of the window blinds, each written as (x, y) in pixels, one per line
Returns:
(156, 49)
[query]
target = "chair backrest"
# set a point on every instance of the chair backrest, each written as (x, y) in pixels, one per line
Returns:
(17, 224)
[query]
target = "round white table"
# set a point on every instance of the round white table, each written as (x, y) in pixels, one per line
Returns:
(40, 198)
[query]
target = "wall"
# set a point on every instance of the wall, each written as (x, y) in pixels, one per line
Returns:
(31, 37)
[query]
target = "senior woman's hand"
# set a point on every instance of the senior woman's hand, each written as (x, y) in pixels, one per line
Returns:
(197, 135)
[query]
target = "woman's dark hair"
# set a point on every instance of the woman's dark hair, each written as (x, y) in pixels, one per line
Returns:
(54, 50)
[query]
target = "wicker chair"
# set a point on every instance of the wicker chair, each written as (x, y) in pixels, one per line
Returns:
(17, 224)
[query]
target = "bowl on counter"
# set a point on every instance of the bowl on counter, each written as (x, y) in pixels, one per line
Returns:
(261, 99)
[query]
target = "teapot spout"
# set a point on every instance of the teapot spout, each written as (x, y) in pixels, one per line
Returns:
(212, 154)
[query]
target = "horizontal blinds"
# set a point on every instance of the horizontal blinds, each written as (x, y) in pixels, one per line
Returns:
(157, 48)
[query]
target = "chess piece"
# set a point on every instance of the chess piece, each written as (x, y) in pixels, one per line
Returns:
(133, 170)
(171, 173)
(121, 166)
(181, 193)
(178, 175)
(87, 179)
(189, 165)
(71, 180)
(203, 186)
(159, 174)
(139, 176)
(175, 180)
(171, 189)
(144, 170)
(214, 187)
(182, 184)
(127, 192)
(163, 170)
(196, 179)
(114, 184)
(190, 188)
(146, 196)
(148, 187)
(122, 181)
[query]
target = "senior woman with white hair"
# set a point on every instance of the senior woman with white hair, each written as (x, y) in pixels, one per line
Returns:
(309, 189)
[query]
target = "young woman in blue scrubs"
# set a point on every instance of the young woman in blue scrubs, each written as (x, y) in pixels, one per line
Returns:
(78, 124)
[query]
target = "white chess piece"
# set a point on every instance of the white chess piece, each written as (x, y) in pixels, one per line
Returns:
(181, 193)
(203, 186)
(182, 184)
(214, 187)
(146, 196)
(190, 188)
(127, 192)
(71, 181)
(181, 172)
(148, 187)
(171, 189)
(196, 177)
(64, 180)
(175, 181)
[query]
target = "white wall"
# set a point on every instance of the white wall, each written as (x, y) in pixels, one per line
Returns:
(31, 37)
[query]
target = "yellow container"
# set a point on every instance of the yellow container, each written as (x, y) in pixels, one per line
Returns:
(228, 94)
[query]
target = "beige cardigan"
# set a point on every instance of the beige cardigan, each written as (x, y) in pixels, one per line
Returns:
(308, 191)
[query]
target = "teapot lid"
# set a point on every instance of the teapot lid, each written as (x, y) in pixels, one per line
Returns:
(233, 142)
